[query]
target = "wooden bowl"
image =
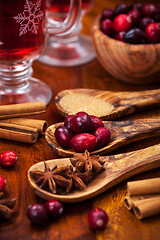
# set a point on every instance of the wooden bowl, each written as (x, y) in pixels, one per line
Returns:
(136, 64)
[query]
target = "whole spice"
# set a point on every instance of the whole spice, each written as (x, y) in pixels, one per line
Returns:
(51, 178)
(6, 206)
(77, 179)
(86, 163)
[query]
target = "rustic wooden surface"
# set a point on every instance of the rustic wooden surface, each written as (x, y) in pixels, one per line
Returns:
(123, 225)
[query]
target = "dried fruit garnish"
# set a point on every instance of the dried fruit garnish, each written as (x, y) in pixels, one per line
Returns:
(87, 163)
(51, 178)
(6, 206)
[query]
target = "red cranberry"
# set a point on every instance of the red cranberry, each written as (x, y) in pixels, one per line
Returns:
(8, 158)
(106, 26)
(54, 208)
(152, 32)
(67, 121)
(2, 183)
(135, 36)
(97, 218)
(63, 136)
(107, 14)
(144, 22)
(149, 10)
(81, 122)
(121, 23)
(137, 6)
(37, 214)
(83, 141)
(135, 16)
(119, 36)
(103, 136)
(96, 122)
(120, 8)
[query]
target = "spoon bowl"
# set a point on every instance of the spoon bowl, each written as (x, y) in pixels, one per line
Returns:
(119, 103)
(117, 168)
(122, 133)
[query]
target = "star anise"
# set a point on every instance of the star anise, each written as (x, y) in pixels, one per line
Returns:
(85, 162)
(77, 179)
(6, 206)
(51, 178)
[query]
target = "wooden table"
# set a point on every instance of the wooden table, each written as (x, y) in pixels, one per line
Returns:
(123, 225)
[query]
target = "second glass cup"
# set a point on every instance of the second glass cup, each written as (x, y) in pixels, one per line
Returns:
(69, 50)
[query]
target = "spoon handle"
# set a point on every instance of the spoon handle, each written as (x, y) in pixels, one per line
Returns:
(129, 102)
(122, 166)
(125, 132)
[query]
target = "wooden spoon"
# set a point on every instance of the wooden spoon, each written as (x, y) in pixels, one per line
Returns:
(122, 103)
(117, 168)
(122, 133)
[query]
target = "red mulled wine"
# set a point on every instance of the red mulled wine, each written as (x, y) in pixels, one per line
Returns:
(21, 29)
(62, 6)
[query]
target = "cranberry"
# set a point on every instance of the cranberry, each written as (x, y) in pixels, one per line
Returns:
(107, 14)
(152, 32)
(103, 136)
(119, 36)
(144, 22)
(96, 122)
(135, 16)
(54, 208)
(120, 8)
(37, 214)
(67, 121)
(149, 10)
(106, 26)
(121, 23)
(2, 183)
(63, 136)
(137, 6)
(97, 218)
(135, 36)
(81, 122)
(8, 158)
(83, 141)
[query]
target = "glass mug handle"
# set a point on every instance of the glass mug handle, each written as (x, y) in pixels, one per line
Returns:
(64, 29)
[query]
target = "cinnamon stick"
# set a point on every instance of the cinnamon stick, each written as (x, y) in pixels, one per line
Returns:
(141, 187)
(18, 133)
(130, 200)
(22, 109)
(147, 207)
(41, 125)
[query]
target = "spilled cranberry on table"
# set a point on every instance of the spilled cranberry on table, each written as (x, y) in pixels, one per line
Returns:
(8, 158)
(135, 24)
(98, 218)
(82, 132)
(40, 214)
(2, 183)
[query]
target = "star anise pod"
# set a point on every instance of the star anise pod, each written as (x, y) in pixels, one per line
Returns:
(51, 178)
(6, 206)
(85, 162)
(77, 179)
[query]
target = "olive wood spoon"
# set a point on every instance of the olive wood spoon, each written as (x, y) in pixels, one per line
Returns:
(122, 133)
(122, 103)
(117, 168)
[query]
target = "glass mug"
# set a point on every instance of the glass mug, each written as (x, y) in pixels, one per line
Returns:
(22, 40)
(73, 50)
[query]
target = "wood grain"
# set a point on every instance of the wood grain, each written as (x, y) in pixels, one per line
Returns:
(73, 225)
(124, 103)
(132, 63)
(117, 168)
(122, 133)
